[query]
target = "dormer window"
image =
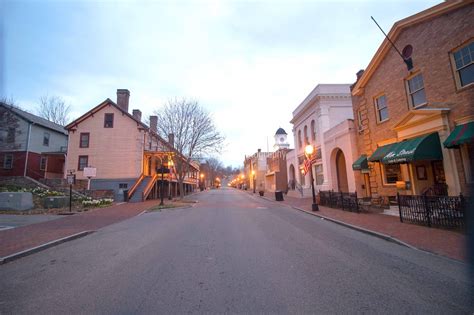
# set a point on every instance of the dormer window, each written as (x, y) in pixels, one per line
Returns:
(109, 120)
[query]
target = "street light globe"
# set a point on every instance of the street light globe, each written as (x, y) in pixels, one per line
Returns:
(309, 149)
(202, 175)
(243, 176)
(253, 173)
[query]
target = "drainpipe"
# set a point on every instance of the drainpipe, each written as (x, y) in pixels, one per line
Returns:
(27, 149)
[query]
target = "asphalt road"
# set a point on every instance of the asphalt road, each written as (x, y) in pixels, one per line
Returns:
(232, 253)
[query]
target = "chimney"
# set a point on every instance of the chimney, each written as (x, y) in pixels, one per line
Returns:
(259, 150)
(171, 139)
(123, 95)
(359, 74)
(153, 123)
(137, 114)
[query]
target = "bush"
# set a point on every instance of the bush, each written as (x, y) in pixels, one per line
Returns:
(89, 202)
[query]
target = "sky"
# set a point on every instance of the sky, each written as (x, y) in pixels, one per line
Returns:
(249, 63)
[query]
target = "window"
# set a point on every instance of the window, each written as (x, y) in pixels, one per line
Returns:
(11, 135)
(82, 162)
(381, 108)
(416, 90)
(464, 64)
(359, 121)
(109, 120)
(305, 134)
(43, 162)
(46, 139)
(8, 161)
(84, 140)
(319, 174)
(391, 173)
(300, 143)
(313, 130)
(123, 185)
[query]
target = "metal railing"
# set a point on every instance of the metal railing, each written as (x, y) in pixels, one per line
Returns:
(438, 211)
(346, 201)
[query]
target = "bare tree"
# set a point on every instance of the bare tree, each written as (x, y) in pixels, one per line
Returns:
(8, 124)
(55, 109)
(215, 169)
(194, 133)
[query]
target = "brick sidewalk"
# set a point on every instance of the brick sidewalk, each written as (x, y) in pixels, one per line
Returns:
(443, 242)
(26, 237)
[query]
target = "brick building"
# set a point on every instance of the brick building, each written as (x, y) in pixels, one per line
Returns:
(414, 115)
(30, 146)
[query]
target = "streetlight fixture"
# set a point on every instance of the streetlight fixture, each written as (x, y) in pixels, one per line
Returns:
(201, 186)
(309, 150)
(253, 180)
(170, 166)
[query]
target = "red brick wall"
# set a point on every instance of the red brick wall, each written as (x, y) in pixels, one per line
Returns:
(432, 42)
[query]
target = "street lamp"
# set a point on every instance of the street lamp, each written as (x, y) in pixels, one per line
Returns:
(253, 177)
(202, 181)
(170, 166)
(309, 150)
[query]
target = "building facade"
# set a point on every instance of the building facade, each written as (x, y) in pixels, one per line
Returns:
(126, 154)
(325, 107)
(30, 145)
(414, 115)
(255, 169)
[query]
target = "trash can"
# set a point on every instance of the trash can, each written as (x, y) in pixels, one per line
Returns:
(278, 195)
(125, 195)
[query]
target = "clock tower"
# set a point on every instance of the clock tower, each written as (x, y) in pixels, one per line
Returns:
(281, 141)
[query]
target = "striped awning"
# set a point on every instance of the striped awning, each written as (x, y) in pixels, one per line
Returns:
(460, 135)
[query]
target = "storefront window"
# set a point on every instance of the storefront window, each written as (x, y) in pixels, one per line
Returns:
(391, 173)
(319, 174)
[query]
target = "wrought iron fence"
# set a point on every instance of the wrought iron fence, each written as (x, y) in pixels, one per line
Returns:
(439, 211)
(346, 201)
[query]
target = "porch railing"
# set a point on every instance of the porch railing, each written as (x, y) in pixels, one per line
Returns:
(439, 211)
(346, 201)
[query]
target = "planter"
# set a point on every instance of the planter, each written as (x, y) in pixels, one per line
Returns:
(261, 193)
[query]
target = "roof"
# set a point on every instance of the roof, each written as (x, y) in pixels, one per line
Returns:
(94, 110)
(397, 29)
(281, 131)
(35, 119)
(321, 90)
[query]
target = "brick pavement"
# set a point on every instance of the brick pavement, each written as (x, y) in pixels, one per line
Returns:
(26, 237)
(447, 243)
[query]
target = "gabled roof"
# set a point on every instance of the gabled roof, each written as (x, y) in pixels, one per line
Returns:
(35, 119)
(107, 102)
(397, 29)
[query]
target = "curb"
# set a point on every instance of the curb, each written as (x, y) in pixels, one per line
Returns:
(354, 227)
(29, 251)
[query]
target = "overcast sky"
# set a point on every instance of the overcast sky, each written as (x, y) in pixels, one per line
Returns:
(250, 63)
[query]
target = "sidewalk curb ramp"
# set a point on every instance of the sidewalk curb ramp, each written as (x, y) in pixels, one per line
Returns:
(29, 251)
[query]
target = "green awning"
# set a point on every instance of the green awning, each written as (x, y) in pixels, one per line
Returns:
(424, 148)
(361, 163)
(380, 153)
(460, 135)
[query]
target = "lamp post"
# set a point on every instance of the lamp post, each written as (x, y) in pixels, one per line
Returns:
(253, 180)
(201, 186)
(309, 150)
(170, 166)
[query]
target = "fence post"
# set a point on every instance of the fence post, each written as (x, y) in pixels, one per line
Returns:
(342, 201)
(399, 207)
(357, 202)
(427, 209)
(463, 210)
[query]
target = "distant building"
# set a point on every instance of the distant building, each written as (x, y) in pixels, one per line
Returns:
(255, 169)
(327, 106)
(30, 145)
(281, 139)
(415, 119)
(126, 153)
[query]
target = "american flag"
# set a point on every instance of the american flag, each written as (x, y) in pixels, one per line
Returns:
(307, 165)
